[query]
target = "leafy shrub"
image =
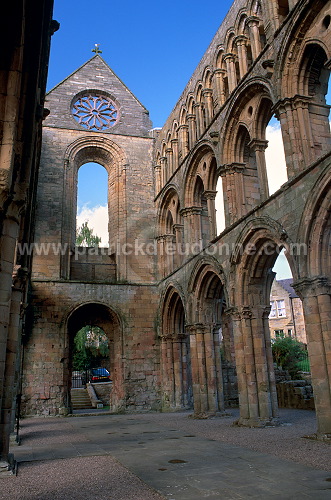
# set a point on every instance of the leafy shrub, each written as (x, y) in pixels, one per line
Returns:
(288, 354)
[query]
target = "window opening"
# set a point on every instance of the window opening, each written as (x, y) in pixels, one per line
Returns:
(92, 201)
(219, 206)
(275, 156)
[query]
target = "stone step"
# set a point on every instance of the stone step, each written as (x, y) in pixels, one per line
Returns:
(80, 399)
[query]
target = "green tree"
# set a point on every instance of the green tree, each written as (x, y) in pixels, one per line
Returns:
(288, 354)
(85, 236)
(90, 347)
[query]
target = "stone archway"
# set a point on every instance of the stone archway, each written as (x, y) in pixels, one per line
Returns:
(97, 314)
(175, 354)
(260, 244)
(208, 305)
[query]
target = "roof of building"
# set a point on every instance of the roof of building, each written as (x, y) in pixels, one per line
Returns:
(287, 285)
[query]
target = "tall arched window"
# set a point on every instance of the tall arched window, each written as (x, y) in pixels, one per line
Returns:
(275, 156)
(92, 201)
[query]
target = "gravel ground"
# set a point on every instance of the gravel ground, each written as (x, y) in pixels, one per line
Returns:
(102, 477)
(81, 478)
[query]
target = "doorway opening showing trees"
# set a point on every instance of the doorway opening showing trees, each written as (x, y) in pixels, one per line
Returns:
(94, 356)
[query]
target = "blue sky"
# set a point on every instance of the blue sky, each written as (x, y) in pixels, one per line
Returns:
(152, 46)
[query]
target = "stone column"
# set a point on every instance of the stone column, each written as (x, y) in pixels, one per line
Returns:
(183, 140)
(169, 249)
(164, 170)
(231, 71)
(157, 173)
(192, 228)
(10, 388)
(192, 130)
(220, 88)
(298, 140)
(167, 378)
(178, 370)
(186, 370)
(174, 146)
(191, 329)
(209, 105)
(254, 35)
(234, 191)
(240, 42)
(179, 231)
(170, 166)
(316, 300)
(218, 367)
(206, 370)
(161, 255)
(8, 241)
(257, 390)
(210, 196)
(259, 146)
(199, 119)
(214, 377)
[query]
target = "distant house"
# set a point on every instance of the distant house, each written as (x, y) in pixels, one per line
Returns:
(286, 315)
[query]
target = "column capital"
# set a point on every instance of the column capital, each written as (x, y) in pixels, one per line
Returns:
(166, 336)
(258, 144)
(195, 328)
(191, 117)
(190, 211)
(252, 21)
(312, 287)
(240, 40)
(233, 312)
(283, 105)
(178, 227)
(246, 312)
(231, 168)
(207, 92)
(209, 194)
(229, 57)
(220, 71)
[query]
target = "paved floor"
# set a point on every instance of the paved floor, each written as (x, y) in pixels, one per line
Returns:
(154, 453)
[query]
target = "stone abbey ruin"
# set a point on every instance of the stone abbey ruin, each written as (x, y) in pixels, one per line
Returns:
(170, 291)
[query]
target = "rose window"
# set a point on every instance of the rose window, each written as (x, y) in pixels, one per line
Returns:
(95, 112)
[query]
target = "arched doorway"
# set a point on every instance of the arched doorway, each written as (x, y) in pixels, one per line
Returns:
(210, 339)
(251, 287)
(101, 316)
(175, 354)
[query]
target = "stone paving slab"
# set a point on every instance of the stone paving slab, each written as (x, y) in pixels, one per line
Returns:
(203, 468)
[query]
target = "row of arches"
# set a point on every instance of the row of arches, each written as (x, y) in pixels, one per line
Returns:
(222, 318)
(239, 167)
(293, 87)
(231, 61)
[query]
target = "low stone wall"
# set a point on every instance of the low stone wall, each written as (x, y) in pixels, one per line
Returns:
(103, 391)
(295, 394)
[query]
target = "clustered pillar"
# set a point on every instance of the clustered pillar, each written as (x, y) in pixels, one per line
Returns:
(316, 301)
(206, 367)
(256, 380)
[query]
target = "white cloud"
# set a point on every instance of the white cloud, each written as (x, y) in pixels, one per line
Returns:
(275, 158)
(97, 218)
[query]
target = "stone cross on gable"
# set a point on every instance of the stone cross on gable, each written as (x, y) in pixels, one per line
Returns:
(96, 48)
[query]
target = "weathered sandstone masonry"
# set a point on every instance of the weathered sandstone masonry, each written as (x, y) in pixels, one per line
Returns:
(189, 306)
